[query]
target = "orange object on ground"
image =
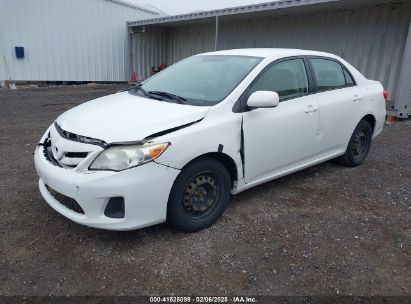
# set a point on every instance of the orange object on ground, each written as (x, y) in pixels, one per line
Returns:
(134, 77)
(390, 119)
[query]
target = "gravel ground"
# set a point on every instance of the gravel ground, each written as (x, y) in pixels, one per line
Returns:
(324, 231)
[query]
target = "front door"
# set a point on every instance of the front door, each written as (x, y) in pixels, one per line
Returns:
(280, 138)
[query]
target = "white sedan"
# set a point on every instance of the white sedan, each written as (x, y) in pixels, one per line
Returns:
(176, 146)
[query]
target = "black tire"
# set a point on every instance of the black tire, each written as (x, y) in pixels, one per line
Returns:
(199, 195)
(359, 145)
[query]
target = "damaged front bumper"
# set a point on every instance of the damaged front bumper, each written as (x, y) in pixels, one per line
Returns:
(144, 189)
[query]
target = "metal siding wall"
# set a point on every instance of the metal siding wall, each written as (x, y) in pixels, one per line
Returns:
(372, 39)
(189, 40)
(148, 50)
(168, 45)
(65, 40)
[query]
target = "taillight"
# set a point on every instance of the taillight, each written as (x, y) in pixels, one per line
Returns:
(386, 95)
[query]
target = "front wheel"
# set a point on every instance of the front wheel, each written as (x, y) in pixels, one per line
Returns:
(359, 145)
(199, 195)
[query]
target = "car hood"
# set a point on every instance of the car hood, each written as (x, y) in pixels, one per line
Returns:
(124, 117)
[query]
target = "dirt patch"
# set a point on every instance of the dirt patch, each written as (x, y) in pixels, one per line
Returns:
(324, 231)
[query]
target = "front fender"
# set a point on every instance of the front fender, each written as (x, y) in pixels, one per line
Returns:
(208, 136)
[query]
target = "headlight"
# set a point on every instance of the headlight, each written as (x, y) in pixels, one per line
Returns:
(119, 158)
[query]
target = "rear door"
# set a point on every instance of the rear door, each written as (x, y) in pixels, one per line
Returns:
(340, 101)
(276, 139)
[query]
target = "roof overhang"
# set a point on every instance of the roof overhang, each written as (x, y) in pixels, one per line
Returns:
(281, 7)
(136, 7)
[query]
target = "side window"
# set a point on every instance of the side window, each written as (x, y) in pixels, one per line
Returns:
(329, 74)
(287, 78)
(348, 79)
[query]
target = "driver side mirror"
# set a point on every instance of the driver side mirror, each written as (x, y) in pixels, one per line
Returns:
(263, 99)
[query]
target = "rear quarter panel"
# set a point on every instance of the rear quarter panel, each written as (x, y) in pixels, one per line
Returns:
(372, 93)
(374, 103)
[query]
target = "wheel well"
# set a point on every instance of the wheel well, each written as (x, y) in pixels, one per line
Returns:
(371, 120)
(226, 160)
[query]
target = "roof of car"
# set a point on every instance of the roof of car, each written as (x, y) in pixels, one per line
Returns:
(270, 53)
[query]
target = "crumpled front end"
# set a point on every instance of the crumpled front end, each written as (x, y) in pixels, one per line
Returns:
(126, 200)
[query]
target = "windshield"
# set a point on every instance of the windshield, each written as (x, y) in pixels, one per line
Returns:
(203, 80)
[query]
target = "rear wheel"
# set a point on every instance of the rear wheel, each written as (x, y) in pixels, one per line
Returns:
(199, 195)
(359, 145)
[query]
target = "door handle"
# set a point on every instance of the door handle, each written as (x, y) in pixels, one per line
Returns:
(357, 98)
(311, 109)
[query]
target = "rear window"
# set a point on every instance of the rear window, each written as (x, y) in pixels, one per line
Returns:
(330, 74)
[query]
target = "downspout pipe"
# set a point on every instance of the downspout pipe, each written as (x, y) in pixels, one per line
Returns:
(216, 33)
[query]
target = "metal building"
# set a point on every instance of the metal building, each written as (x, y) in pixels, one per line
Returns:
(66, 40)
(370, 34)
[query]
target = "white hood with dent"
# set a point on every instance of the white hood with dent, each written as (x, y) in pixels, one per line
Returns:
(124, 117)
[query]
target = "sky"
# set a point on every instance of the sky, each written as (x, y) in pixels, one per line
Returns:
(173, 7)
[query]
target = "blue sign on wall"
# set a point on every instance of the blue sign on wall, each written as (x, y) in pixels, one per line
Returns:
(19, 52)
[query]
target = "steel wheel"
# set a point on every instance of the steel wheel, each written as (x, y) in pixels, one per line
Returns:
(201, 194)
(359, 145)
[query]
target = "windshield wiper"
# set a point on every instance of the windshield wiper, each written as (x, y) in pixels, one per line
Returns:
(144, 92)
(139, 88)
(179, 99)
